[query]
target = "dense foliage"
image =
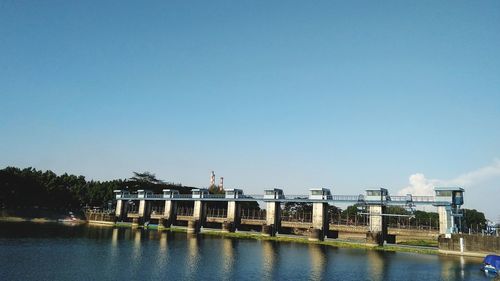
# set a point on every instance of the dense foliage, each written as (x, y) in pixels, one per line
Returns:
(22, 188)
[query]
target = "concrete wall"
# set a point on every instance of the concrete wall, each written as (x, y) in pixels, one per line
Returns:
(445, 219)
(376, 218)
(169, 210)
(233, 213)
(273, 213)
(199, 210)
(142, 208)
(119, 208)
(319, 216)
(471, 243)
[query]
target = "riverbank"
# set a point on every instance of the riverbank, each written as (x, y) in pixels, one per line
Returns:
(328, 242)
(37, 216)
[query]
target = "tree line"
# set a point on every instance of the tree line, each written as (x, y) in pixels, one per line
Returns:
(29, 187)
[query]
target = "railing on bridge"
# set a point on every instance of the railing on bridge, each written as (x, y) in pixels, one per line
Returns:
(183, 196)
(253, 196)
(347, 198)
(334, 198)
(253, 214)
(423, 199)
(129, 196)
(215, 196)
(426, 199)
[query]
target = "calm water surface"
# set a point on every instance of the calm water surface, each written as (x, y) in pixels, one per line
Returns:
(31, 251)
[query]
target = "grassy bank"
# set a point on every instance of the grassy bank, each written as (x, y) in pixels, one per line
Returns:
(24, 219)
(340, 244)
(304, 240)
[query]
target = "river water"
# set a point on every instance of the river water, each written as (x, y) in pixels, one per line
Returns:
(30, 251)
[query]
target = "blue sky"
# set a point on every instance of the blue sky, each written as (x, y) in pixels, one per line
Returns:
(347, 95)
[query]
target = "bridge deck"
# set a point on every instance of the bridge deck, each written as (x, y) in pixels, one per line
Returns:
(332, 199)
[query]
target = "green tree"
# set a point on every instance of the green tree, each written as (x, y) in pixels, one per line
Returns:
(473, 219)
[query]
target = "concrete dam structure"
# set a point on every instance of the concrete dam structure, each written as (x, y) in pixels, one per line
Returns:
(138, 207)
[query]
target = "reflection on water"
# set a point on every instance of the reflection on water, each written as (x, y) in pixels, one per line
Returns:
(228, 258)
(319, 261)
(136, 256)
(35, 252)
(458, 268)
(157, 264)
(193, 256)
(377, 264)
(270, 253)
(163, 245)
(114, 238)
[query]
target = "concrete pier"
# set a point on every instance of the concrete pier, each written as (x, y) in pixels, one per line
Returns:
(273, 218)
(445, 219)
(378, 225)
(376, 200)
(120, 210)
(121, 206)
(169, 213)
(319, 222)
(273, 211)
(199, 210)
(169, 210)
(144, 210)
(233, 217)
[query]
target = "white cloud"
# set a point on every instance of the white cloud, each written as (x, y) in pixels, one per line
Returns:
(420, 185)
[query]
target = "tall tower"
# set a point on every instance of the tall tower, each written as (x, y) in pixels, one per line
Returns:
(221, 184)
(212, 179)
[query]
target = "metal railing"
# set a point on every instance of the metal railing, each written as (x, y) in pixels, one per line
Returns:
(183, 211)
(217, 213)
(183, 196)
(400, 198)
(128, 196)
(214, 196)
(348, 198)
(423, 199)
(253, 214)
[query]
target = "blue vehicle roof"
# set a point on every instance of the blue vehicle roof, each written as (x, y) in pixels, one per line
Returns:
(494, 260)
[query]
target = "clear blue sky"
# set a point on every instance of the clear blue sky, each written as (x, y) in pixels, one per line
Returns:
(293, 94)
